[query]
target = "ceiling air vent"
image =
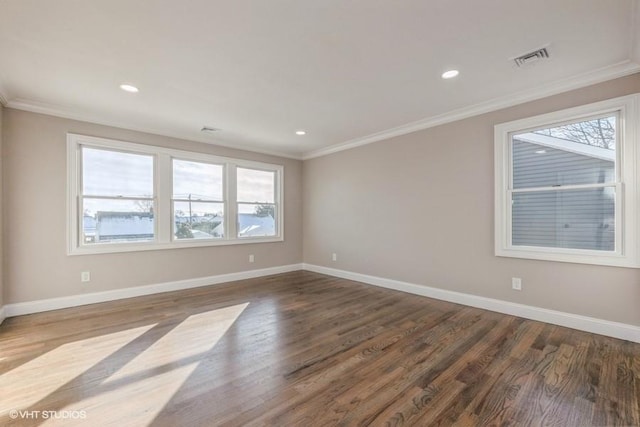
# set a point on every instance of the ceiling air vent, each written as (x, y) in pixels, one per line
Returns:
(531, 57)
(208, 129)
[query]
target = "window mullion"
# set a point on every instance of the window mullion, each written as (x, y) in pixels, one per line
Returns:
(163, 187)
(231, 191)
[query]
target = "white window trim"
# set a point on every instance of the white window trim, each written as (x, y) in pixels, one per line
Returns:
(163, 176)
(627, 252)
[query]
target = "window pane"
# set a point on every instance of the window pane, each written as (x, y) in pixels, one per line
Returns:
(113, 173)
(198, 220)
(256, 220)
(196, 180)
(113, 220)
(575, 219)
(256, 186)
(577, 153)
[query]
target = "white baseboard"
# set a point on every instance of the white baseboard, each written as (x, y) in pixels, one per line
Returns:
(583, 323)
(38, 306)
(574, 321)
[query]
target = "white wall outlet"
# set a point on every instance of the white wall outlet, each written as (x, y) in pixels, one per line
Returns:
(85, 276)
(251, 258)
(516, 283)
(334, 256)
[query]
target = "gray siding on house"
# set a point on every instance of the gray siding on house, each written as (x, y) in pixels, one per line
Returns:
(556, 167)
(577, 219)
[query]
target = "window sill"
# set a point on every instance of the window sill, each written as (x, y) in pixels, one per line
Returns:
(108, 248)
(571, 256)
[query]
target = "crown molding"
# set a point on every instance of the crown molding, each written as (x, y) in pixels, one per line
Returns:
(620, 69)
(68, 113)
(634, 52)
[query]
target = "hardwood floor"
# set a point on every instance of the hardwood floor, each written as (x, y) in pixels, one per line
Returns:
(303, 349)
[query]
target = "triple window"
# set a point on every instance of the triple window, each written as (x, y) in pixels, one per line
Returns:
(127, 197)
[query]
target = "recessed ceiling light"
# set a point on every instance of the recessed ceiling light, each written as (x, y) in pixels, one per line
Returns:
(301, 132)
(450, 74)
(129, 88)
(541, 151)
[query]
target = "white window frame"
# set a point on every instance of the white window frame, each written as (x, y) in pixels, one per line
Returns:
(626, 253)
(163, 195)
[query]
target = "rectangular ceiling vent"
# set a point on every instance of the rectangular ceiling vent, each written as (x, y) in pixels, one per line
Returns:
(208, 129)
(531, 57)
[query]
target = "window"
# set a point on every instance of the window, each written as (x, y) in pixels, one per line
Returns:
(565, 185)
(117, 196)
(256, 202)
(198, 202)
(128, 197)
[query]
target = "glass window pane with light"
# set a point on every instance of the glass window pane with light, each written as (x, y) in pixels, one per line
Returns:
(117, 197)
(564, 185)
(573, 219)
(198, 201)
(256, 203)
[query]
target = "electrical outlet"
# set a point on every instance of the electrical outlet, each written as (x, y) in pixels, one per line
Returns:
(251, 258)
(334, 256)
(85, 276)
(516, 283)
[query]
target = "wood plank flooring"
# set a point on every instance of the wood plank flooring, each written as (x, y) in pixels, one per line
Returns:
(304, 349)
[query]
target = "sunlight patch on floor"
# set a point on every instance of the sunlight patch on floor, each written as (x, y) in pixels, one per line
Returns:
(137, 392)
(36, 379)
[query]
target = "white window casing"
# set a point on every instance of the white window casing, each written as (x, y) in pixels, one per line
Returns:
(626, 184)
(164, 237)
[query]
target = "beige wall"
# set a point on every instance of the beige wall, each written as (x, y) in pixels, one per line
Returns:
(419, 208)
(1, 204)
(36, 263)
(416, 208)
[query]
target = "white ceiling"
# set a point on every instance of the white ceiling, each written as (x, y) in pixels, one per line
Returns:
(347, 72)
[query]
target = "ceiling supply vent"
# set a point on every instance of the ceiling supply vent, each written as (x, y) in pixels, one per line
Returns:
(208, 129)
(531, 57)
